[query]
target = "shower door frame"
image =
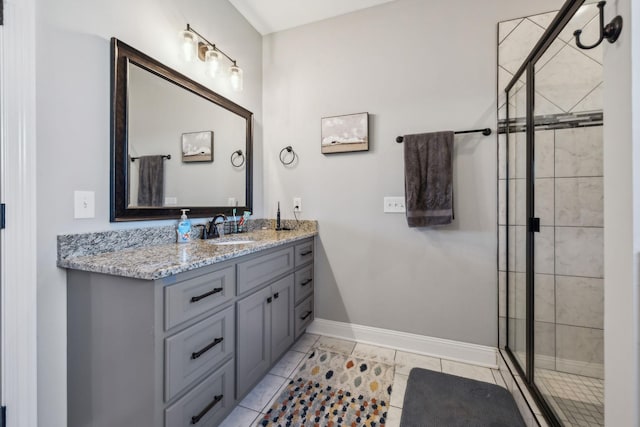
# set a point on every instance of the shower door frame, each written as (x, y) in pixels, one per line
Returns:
(564, 15)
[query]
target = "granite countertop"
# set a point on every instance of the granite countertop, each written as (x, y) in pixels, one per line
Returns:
(156, 261)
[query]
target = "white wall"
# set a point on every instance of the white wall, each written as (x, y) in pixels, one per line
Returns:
(415, 66)
(72, 86)
(622, 218)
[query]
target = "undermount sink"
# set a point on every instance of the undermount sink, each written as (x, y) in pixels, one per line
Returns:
(231, 242)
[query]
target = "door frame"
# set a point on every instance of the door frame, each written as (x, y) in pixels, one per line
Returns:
(18, 255)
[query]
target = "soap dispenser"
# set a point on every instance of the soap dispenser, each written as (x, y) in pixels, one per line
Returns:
(184, 228)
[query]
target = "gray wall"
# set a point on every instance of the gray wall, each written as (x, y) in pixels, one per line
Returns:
(73, 130)
(415, 66)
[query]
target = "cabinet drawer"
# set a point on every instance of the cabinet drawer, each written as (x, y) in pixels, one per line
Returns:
(304, 252)
(186, 300)
(303, 283)
(257, 271)
(190, 354)
(303, 315)
(207, 404)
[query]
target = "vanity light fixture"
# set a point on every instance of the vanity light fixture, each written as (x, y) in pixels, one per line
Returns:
(195, 45)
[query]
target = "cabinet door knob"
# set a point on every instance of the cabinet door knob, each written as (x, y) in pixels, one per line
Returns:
(269, 300)
(276, 295)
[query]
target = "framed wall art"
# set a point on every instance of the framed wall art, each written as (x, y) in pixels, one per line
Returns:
(342, 134)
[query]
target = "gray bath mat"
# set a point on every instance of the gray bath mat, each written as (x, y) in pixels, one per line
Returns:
(434, 399)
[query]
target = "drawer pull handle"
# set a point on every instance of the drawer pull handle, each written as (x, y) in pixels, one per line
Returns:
(207, 348)
(276, 295)
(306, 253)
(214, 402)
(208, 294)
(307, 314)
(306, 282)
(269, 300)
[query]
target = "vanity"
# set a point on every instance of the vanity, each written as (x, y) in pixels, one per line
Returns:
(176, 335)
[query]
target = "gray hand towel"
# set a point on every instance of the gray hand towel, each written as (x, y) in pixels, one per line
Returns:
(428, 178)
(151, 181)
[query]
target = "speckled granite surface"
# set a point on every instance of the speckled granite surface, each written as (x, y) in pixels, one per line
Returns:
(151, 253)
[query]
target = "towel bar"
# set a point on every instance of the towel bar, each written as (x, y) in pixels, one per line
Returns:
(485, 132)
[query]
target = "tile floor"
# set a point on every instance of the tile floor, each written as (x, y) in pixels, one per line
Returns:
(251, 409)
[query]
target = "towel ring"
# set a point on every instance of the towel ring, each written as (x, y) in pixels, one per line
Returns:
(288, 149)
(236, 156)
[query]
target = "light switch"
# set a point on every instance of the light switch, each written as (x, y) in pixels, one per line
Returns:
(84, 204)
(394, 205)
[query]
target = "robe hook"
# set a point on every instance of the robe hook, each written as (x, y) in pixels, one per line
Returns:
(611, 31)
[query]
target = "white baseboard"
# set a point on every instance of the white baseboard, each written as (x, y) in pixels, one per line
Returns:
(413, 343)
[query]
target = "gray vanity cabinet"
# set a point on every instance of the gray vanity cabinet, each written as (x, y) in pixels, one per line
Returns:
(265, 331)
(182, 350)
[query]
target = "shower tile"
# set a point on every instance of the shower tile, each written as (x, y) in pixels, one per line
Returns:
(579, 251)
(518, 296)
(518, 249)
(502, 246)
(544, 251)
(511, 285)
(506, 27)
(502, 156)
(591, 102)
(545, 345)
(579, 202)
(544, 286)
(544, 107)
(579, 152)
(502, 293)
(517, 201)
(544, 153)
(543, 19)
(504, 78)
(580, 350)
(502, 202)
(568, 77)
(516, 46)
(502, 332)
(517, 155)
(544, 200)
(582, 17)
(580, 301)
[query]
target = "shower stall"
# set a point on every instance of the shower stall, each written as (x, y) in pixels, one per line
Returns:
(550, 184)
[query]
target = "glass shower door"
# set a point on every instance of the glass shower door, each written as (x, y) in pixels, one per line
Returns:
(516, 222)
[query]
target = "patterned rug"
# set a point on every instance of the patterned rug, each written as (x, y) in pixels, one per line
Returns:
(334, 390)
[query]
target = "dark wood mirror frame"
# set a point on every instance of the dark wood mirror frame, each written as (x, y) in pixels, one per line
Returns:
(121, 55)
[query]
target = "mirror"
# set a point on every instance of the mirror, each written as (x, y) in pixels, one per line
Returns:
(175, 144)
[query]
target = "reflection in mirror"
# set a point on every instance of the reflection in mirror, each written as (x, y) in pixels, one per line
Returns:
(173, 142)
(208, 134)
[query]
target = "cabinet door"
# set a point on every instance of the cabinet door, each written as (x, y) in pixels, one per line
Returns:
(253, 339)
(282, 328)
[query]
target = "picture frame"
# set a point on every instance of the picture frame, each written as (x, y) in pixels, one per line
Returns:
(345, 133)
(197, 147)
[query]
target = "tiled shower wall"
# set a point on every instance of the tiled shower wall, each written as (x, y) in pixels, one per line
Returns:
(569, 201)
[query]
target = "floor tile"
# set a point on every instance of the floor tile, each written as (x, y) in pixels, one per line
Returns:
(467, 371)
(497, 376)
(262, 393)
(336, 344)
(398, 389)
(305, 342)
(372, 352)
(393, 417)
(405, 361)
(240, 417)
(287, 365)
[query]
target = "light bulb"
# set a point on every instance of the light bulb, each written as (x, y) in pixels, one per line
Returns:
(212, 58)
(189, 45)
(235, 77)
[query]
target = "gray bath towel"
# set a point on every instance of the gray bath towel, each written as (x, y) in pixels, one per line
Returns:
(428, 178)
(151, 181)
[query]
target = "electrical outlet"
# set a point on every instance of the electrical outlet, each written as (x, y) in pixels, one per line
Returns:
(394, 205)
(84, 204)
(297, 204)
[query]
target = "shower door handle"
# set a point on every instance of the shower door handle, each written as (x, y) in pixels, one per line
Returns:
(534, 225)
